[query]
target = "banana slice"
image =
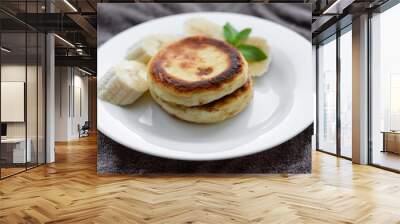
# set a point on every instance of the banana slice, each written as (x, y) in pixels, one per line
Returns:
(204, 27)
(145, 49)
(124, 83)
(261, 67)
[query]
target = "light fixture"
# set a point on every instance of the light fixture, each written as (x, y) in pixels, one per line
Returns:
(84, 71)
(337, 7)
(70, 5)
(64, 40)
(5, 50)
(329, 9)
(80, 51)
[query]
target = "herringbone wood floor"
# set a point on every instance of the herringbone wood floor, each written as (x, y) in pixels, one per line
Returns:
(70, 191)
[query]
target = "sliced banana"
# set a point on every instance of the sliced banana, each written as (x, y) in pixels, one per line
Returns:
(261, 67)
(200, 26)
(124, 83)
(145, 49)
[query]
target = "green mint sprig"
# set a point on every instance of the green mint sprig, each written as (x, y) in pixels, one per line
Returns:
(251, 53)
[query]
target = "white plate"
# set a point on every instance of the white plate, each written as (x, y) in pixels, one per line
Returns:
(281, 108)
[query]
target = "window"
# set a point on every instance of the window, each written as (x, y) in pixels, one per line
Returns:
(327, 96)
(394, 101)
(334, 106)
(346, 93)
(22, 88)
(385, 89)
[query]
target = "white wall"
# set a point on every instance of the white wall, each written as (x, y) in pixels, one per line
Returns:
(70, 82)
(62, 81)
(33, 126)
(80, 83)
(14, 72)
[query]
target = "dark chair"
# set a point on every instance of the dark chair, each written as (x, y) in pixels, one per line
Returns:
(84, 130)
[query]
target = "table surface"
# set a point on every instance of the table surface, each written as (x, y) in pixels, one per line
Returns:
(391, 132)
(13, 140)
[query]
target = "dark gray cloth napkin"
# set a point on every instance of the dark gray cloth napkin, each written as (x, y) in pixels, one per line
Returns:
(293, 156)
(113, 18)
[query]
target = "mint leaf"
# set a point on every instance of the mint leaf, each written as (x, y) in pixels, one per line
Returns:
(242, 36)
(252, 53)
(230, 33)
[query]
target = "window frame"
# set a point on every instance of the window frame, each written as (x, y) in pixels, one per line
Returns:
(334, 37)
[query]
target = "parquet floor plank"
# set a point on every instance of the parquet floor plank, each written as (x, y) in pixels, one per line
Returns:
(70, 191)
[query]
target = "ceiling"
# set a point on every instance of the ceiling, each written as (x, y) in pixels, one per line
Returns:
(74, 22)
(331, 16)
